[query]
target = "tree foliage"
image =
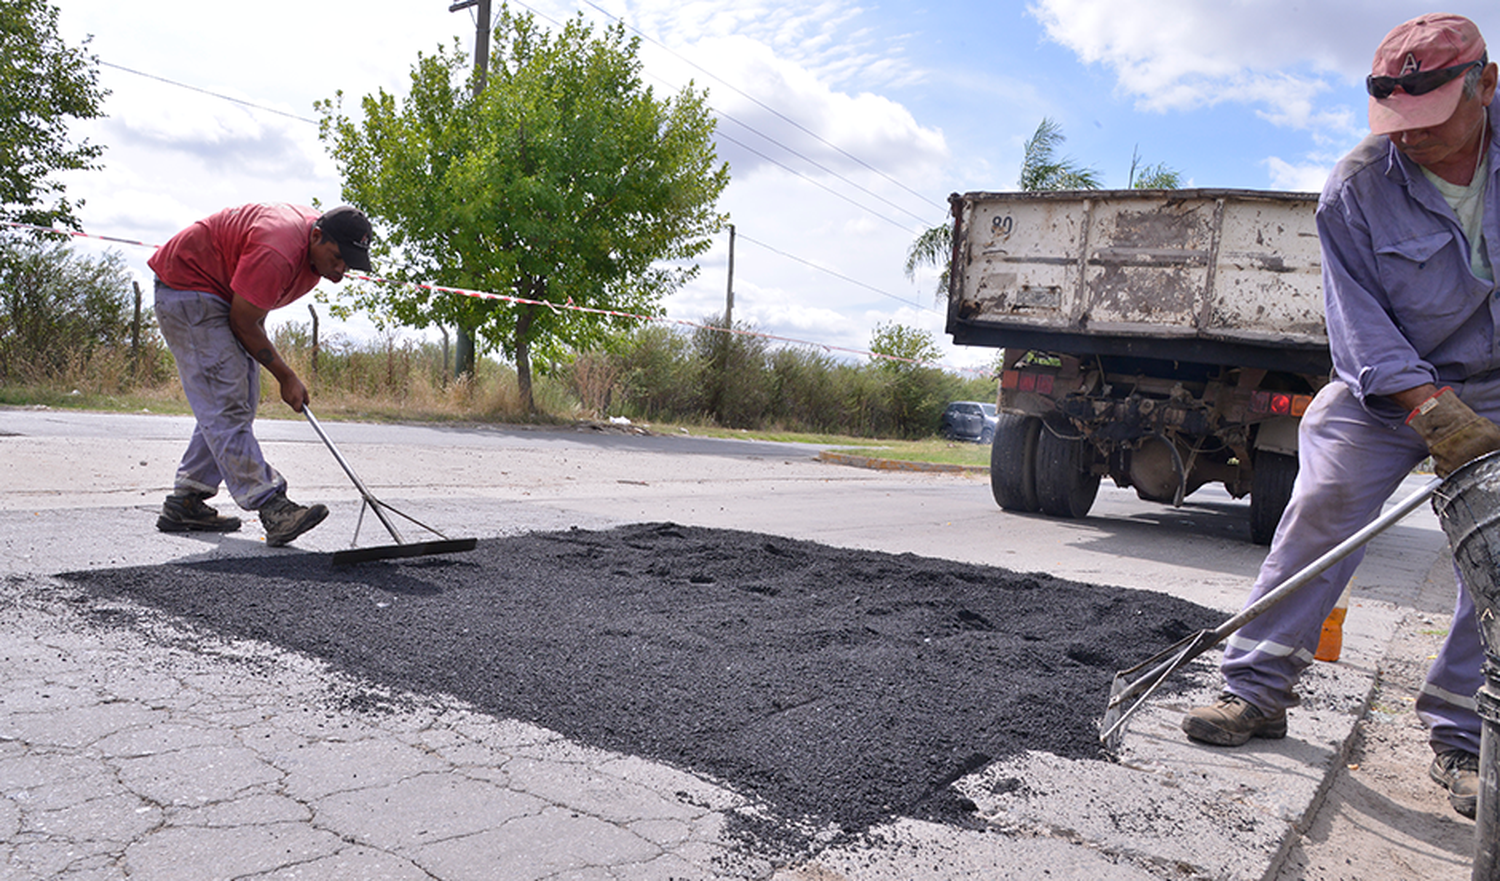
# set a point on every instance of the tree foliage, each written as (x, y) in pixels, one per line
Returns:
(44, 84)
(56, 305)
(934, 247)
(908, 344)
(914, 393)
(1043, 169)
(566, 180)
(1152, 177)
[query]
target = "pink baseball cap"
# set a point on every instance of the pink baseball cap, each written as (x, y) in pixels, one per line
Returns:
(1431, 43)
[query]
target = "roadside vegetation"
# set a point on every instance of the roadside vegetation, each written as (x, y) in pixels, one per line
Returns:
(70, 336)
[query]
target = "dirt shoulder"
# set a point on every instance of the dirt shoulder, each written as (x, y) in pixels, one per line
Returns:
(1382, 817)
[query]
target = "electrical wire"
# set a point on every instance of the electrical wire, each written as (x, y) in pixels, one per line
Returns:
(152, 76)
(768, 108)
(742, 145)
(841, 277)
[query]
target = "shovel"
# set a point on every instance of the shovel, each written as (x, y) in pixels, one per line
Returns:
(1131, 687)
(401, 548)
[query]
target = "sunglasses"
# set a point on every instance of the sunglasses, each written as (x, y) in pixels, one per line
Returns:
(1420, 83)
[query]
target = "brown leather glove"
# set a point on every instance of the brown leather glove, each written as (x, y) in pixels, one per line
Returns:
(1455, 434)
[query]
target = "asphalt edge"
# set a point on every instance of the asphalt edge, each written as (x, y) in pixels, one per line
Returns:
(852, 460)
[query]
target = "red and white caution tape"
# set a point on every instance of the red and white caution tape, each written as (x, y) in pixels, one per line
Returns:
(555, 307)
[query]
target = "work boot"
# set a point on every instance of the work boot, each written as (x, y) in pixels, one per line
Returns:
(186, 512)
(1232, 721)
(284, 519)
(1457, 771)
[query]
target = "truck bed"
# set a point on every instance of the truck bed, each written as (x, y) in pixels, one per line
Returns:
(1205, 276)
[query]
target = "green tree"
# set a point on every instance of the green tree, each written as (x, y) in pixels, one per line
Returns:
(903, 345)
(1042, 169)
(914, 389)
(56, 306)
(1152, 177)
(934, 247)
(565, 181)
(44, 84)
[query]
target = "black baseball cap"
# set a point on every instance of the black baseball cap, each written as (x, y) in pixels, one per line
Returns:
(350, 229)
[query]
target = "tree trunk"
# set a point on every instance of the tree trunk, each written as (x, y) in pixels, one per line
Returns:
(523, 355)
(463, 353)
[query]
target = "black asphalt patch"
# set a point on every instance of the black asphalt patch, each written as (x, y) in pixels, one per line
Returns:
(833, 685)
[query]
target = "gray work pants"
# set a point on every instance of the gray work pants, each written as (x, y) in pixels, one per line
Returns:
(1349, 464)
(222, 385)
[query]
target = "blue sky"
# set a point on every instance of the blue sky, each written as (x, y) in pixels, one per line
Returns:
(862, 117)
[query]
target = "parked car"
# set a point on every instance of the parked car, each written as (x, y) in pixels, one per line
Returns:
(969, 421)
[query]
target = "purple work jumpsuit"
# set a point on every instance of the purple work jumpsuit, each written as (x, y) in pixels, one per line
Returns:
(1404, 308)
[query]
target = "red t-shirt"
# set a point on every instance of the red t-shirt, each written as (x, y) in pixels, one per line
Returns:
(256, 251)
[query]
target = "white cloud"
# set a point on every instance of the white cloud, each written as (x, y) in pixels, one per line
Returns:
(773, 108)
(1281, 56)
(1305, 177)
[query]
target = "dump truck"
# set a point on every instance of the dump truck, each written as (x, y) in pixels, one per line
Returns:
(1166, 339)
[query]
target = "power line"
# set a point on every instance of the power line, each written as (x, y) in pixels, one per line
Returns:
(768, 108)
(727, 116)
(740, 233)
(821, 167)
(163, 79)
(901, 226)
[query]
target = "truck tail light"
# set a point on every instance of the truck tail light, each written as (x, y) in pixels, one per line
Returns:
(1279, 403)
(1040, 383)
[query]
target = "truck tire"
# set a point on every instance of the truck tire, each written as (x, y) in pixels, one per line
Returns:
(1065, 481)
(1270, 490)
(1013, 463)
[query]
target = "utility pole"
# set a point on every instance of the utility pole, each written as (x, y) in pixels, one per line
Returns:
(729, 294)
(314, 313)
(463, 344)
(135, 334)
(726, 338)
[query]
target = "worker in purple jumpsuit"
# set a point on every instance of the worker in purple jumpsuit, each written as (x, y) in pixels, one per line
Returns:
(215, 283)
(1410, 234)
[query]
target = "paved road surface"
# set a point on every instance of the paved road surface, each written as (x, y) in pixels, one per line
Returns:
(154, 751)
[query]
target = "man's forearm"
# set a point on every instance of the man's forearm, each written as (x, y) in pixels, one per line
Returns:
(249, 326)
(1413, 398)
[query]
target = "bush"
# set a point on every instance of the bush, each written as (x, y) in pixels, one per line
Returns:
(59, 310)
(739, 381)
(660, 376)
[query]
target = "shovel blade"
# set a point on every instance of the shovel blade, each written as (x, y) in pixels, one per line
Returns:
(409, 549)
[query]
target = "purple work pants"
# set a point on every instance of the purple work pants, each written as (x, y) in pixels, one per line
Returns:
(222, 385)
(1349, 464)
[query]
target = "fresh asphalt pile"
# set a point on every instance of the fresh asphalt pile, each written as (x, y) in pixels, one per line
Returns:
(834, 686)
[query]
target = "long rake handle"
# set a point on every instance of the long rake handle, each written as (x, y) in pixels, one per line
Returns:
(369, 498)
(1203, 641)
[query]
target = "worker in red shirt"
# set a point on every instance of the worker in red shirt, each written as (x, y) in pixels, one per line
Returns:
(215, 283)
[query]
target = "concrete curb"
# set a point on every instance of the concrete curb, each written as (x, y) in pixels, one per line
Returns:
(896, 464)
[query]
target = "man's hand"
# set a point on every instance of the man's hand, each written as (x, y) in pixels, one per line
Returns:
(295, 393)
(1455, 434)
